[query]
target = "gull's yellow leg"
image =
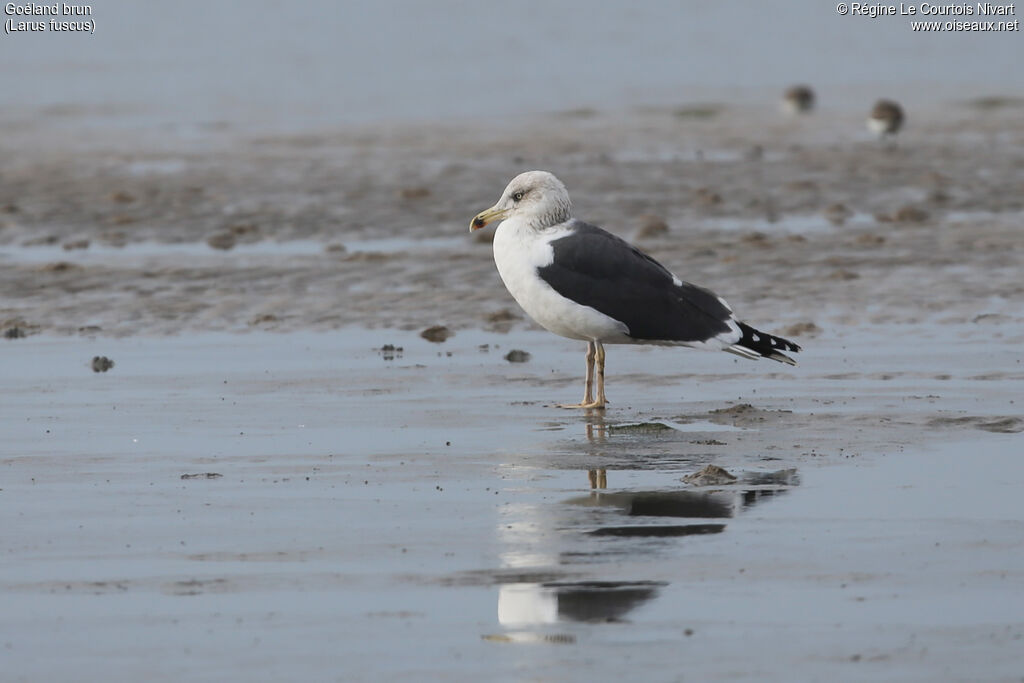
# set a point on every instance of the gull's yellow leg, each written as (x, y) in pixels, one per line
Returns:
(601, 399)
(588, 387)
(595, 358)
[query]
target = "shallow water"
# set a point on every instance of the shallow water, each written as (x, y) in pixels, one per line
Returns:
(428, 515)
(792, 224)
(245, 253)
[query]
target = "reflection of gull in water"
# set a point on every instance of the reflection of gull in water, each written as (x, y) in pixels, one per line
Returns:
(589, 601)
(697, 505)
(721, 502)
(554, 536)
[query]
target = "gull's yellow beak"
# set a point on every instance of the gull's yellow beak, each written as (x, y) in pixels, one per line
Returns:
(489, 216)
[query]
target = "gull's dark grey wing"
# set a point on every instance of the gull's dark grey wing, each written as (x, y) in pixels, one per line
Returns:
(597, 269)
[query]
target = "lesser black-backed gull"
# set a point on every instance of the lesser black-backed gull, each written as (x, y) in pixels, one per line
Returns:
(582, 282)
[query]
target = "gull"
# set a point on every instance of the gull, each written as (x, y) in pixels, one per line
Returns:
(886, 118)
(798, 100)
(581, 282)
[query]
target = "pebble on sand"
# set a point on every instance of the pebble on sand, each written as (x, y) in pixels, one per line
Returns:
(57, 267)
(801, 329)
(503, 316)
(705, 196)
(838, 214)
(437, 334)
(869, 239)
(264, 318)
(222, 240)
(101, 363)
(414, 193)
(390, 351)
(650, 225)
(711, 475)
(17, 328)
(910, 214)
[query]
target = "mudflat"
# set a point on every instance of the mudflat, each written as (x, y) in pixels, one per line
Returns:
(228, 451)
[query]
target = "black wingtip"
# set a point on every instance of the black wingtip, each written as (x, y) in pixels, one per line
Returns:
(767, 345)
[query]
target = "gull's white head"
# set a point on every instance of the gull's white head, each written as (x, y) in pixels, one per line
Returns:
(536, 197)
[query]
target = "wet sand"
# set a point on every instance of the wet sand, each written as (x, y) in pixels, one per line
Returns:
(807, 220)
(274, 506)
(257, 489)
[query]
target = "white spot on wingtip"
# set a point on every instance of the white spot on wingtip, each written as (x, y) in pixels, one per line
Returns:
(753, 335)
(676, 281)
(734, 335)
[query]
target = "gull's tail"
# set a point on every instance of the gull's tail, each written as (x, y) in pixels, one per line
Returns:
(755, 344)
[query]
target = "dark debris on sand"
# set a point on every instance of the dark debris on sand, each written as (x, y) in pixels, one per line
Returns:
(17, 328)
(801, 329)
(437, 334)
(649, 225)
(641, 428)
(390, 351)
(710, 475)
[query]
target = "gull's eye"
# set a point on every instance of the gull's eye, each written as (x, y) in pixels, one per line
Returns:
(517, 196)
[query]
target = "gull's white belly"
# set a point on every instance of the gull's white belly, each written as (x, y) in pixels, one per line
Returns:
(878, 126)
(518, 253)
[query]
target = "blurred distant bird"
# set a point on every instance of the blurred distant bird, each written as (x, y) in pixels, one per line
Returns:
(798, 100)
(582, 282)
(886, 118)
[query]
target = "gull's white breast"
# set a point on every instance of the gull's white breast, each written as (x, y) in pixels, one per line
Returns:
(519, 251)
(878, 126)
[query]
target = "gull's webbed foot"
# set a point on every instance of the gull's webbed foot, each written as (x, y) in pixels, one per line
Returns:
(587, 405)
